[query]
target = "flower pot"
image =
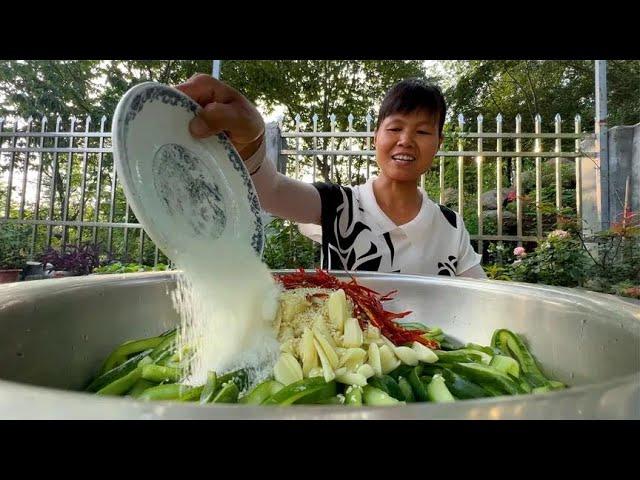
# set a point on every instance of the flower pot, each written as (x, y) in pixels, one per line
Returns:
(10, 276)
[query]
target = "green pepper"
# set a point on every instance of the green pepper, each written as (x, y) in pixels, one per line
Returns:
(321, 395)
(191, 394)
(296, 391)
(140, 386)
(486, 375)
(407, 391)
(210, 387)
(261, 392)
(462, 355)
(166, 347)
(157, 373)
(419, 391)
(401, 371)
(511, 344)
(461, 387)
(122, 353)
(329, 401)
(227, 394)
(168, 391)
(240, 378)
(117, 372)
(481, 348)
(123, 384)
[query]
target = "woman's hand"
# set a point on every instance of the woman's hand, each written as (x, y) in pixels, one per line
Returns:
(224, 109)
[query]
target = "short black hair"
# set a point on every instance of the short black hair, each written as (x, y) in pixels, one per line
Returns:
(411, 95)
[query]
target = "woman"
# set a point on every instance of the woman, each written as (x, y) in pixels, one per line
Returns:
(388, 224)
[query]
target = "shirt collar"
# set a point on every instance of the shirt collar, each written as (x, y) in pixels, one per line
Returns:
(414, 229)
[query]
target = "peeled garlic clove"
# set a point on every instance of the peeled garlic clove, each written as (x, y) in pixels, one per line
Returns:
(407, 355)
(366, 370)
(316, 372)
(338, 309)
(388, 359)
(327, 370)
(308, 352)
(374, 359)
(328, 350)
(352, 333)
(425, 354)
(350, 378)
(353, 358)
(287, 370)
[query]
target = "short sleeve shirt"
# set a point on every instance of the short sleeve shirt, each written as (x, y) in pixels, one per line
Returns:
(358, 235)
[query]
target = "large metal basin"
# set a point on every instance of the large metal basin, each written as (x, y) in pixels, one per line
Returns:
(54, 334)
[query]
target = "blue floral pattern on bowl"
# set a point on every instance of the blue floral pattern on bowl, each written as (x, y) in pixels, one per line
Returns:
(214, 206)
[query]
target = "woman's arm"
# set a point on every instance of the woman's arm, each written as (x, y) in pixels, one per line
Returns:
(224, 109)
(280, 195)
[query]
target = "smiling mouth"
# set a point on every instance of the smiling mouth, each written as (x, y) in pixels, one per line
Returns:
(403, 159)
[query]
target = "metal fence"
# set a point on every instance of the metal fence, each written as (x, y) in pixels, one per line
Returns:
(58, 177)
(347, 156)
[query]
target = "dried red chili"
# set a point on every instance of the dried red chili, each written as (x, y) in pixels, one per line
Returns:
(367, 304)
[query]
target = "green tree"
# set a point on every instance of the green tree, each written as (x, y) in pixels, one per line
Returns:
(92, 88)
(544, 87)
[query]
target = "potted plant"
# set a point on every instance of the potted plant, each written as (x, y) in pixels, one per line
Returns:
(11, 264)
(13, 255)
(71, 260)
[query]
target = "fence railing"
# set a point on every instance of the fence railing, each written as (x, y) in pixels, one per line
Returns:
(60, 180)
(347, 157)
(58, 177)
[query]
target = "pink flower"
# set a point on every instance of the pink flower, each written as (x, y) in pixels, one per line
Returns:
(519, 252)
(560, 234)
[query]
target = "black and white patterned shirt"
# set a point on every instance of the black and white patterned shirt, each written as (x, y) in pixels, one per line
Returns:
(357, 235)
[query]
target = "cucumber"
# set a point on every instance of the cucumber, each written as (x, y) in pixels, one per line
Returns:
(506, 364)
(375, 397)
(388, 385)
(437, 390)
(353, 396)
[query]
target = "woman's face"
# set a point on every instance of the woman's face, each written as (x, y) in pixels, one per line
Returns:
(406, 144)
